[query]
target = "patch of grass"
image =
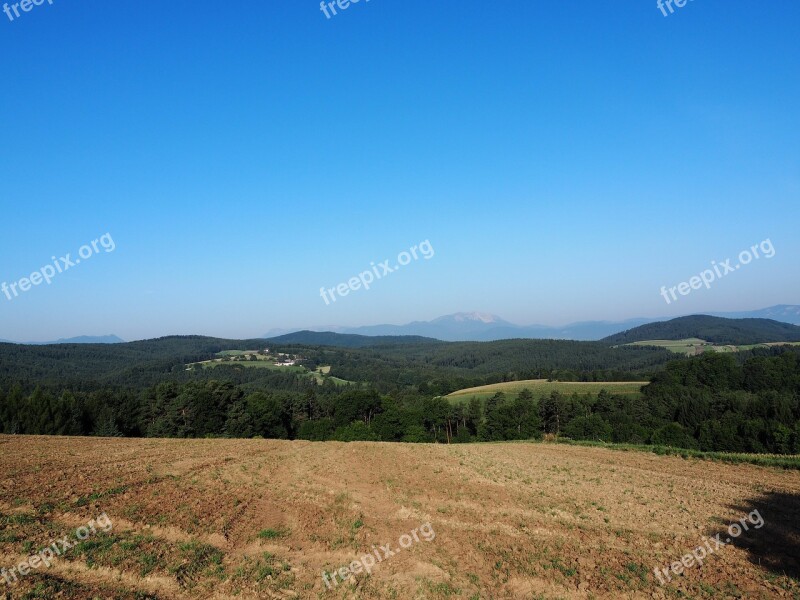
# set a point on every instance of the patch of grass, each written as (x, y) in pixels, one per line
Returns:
(266, 571)
(198, 559)
(98, 550)
(272, 534)
(86, 500)
(556, 563)
(443, 589)
(51, 587)
(45, 508)
(145, 554)
(17, 519)
(149, 563)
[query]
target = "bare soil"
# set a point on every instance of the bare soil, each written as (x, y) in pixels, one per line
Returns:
(263, 519)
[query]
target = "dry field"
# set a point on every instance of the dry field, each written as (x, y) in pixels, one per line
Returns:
(543, 387)
(263, 519)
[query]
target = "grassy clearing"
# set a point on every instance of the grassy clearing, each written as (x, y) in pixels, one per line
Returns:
(694, 346)
(224, 359)
(260, 364)
(322, 375)
(678, 346)
(543, 387)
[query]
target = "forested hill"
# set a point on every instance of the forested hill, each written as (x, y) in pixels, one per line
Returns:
(506, 359)
(109, 363)
(712, 329)
(441, 366)
(347, 340)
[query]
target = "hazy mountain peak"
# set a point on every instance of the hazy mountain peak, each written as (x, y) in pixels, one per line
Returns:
(477, 326)
(91, 339)
(470, 316)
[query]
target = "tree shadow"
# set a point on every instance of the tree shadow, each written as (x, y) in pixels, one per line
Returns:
(775, 544)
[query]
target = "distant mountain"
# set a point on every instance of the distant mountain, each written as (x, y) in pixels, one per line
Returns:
(482, 327)
(718, 330)
(284, 330)
(89, 339)
(343, 340)
(83, 339)
(457, 327)
(785, 313)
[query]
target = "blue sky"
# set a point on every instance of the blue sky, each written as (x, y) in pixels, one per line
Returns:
(564, 159)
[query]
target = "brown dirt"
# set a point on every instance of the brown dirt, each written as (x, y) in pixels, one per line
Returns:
(511, 520)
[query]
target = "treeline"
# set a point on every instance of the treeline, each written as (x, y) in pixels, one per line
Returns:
(715, 403)
(711, 403)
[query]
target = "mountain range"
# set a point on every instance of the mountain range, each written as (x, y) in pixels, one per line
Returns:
(483, 327)
(717, 330)
(83, 339)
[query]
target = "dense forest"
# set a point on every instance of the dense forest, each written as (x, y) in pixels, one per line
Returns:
(748, 402)
(436, 367)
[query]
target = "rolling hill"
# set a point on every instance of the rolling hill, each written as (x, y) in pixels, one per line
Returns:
(344, 340)
(388, 362)
(785, 313)
(717, 330)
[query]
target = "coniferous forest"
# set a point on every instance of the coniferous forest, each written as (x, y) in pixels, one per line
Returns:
(743, 402)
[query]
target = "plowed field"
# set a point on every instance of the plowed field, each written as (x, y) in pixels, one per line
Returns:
(264, 519)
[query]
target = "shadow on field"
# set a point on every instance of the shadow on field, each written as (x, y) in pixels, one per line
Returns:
(775, 545)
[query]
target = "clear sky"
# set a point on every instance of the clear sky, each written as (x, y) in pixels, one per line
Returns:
(564, 159)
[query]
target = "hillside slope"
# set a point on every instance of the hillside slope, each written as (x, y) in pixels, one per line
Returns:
(712, 329)
(420, 359)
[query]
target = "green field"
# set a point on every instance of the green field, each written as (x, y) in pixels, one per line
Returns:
(543, 387)
(260, 364)
(695, 346)
(321, 375)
